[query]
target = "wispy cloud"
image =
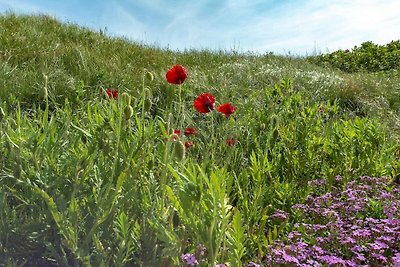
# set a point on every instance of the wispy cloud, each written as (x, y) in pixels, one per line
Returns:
(321, 26)
(300, 27)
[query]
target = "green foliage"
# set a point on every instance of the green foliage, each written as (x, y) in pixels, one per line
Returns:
(367, 57)
(201, 204)
(66, 175)
(236, 239)
(88, 180)
(302, 141)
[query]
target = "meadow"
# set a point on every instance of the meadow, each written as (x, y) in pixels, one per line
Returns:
(115, 153)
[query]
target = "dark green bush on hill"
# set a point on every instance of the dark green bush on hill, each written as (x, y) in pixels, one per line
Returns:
(367, 57)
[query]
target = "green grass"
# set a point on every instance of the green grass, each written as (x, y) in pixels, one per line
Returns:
(82, 183)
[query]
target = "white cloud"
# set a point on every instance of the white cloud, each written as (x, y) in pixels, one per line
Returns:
(337, 25)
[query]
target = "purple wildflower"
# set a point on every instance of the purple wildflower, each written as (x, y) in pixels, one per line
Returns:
(385, 195)
(362, 233)
(294, 234)
(331, 260)
(379, 257)
(289, 258)
(396, 260)
(317, 183)
(311, 262)
(279, 216)
(390, 210)
(377, 245)
(348, 240)
(360, 257)
(338, 178)
(189, 259)
(299, 207)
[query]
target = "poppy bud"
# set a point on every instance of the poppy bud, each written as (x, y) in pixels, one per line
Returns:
(147, 105)
(146, 98)
(274, 121)
(275, 134)
(179, 150)
(126, 98)
(149, 76)
(262, 126)
(176, 220)
(128, 111)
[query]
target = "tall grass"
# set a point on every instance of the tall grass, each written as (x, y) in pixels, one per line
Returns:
(89, 180)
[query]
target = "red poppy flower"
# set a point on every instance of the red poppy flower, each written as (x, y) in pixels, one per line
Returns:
(190, 131)
(112, 93)
(230, 142)
(227, 109)
(188, 144)
(177, 132)
(204, 103)
(176, 75)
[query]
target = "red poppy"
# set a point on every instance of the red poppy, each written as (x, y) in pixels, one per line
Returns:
(176, 75)
(230, 142)
(177, 132)
(190, 131)
(227, 109)
(112, 93)
(204, 103)
(188, 144)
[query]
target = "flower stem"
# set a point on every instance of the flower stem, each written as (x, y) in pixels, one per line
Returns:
(182, 106)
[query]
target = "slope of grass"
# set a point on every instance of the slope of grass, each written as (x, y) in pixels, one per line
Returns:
(76, 62)
(86, 179)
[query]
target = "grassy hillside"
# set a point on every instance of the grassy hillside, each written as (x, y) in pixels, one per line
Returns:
(36, 49)
(94, 172)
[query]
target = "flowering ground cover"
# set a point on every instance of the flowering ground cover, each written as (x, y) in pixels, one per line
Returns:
(356, 224)
(117, 154)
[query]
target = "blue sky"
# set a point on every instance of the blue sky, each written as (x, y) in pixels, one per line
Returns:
(297, 27)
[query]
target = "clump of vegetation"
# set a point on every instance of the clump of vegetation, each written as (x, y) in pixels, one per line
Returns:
(368, 57)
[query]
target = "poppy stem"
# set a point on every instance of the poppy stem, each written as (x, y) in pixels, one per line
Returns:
(143, 98)
(182, 107)
(212, 134)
